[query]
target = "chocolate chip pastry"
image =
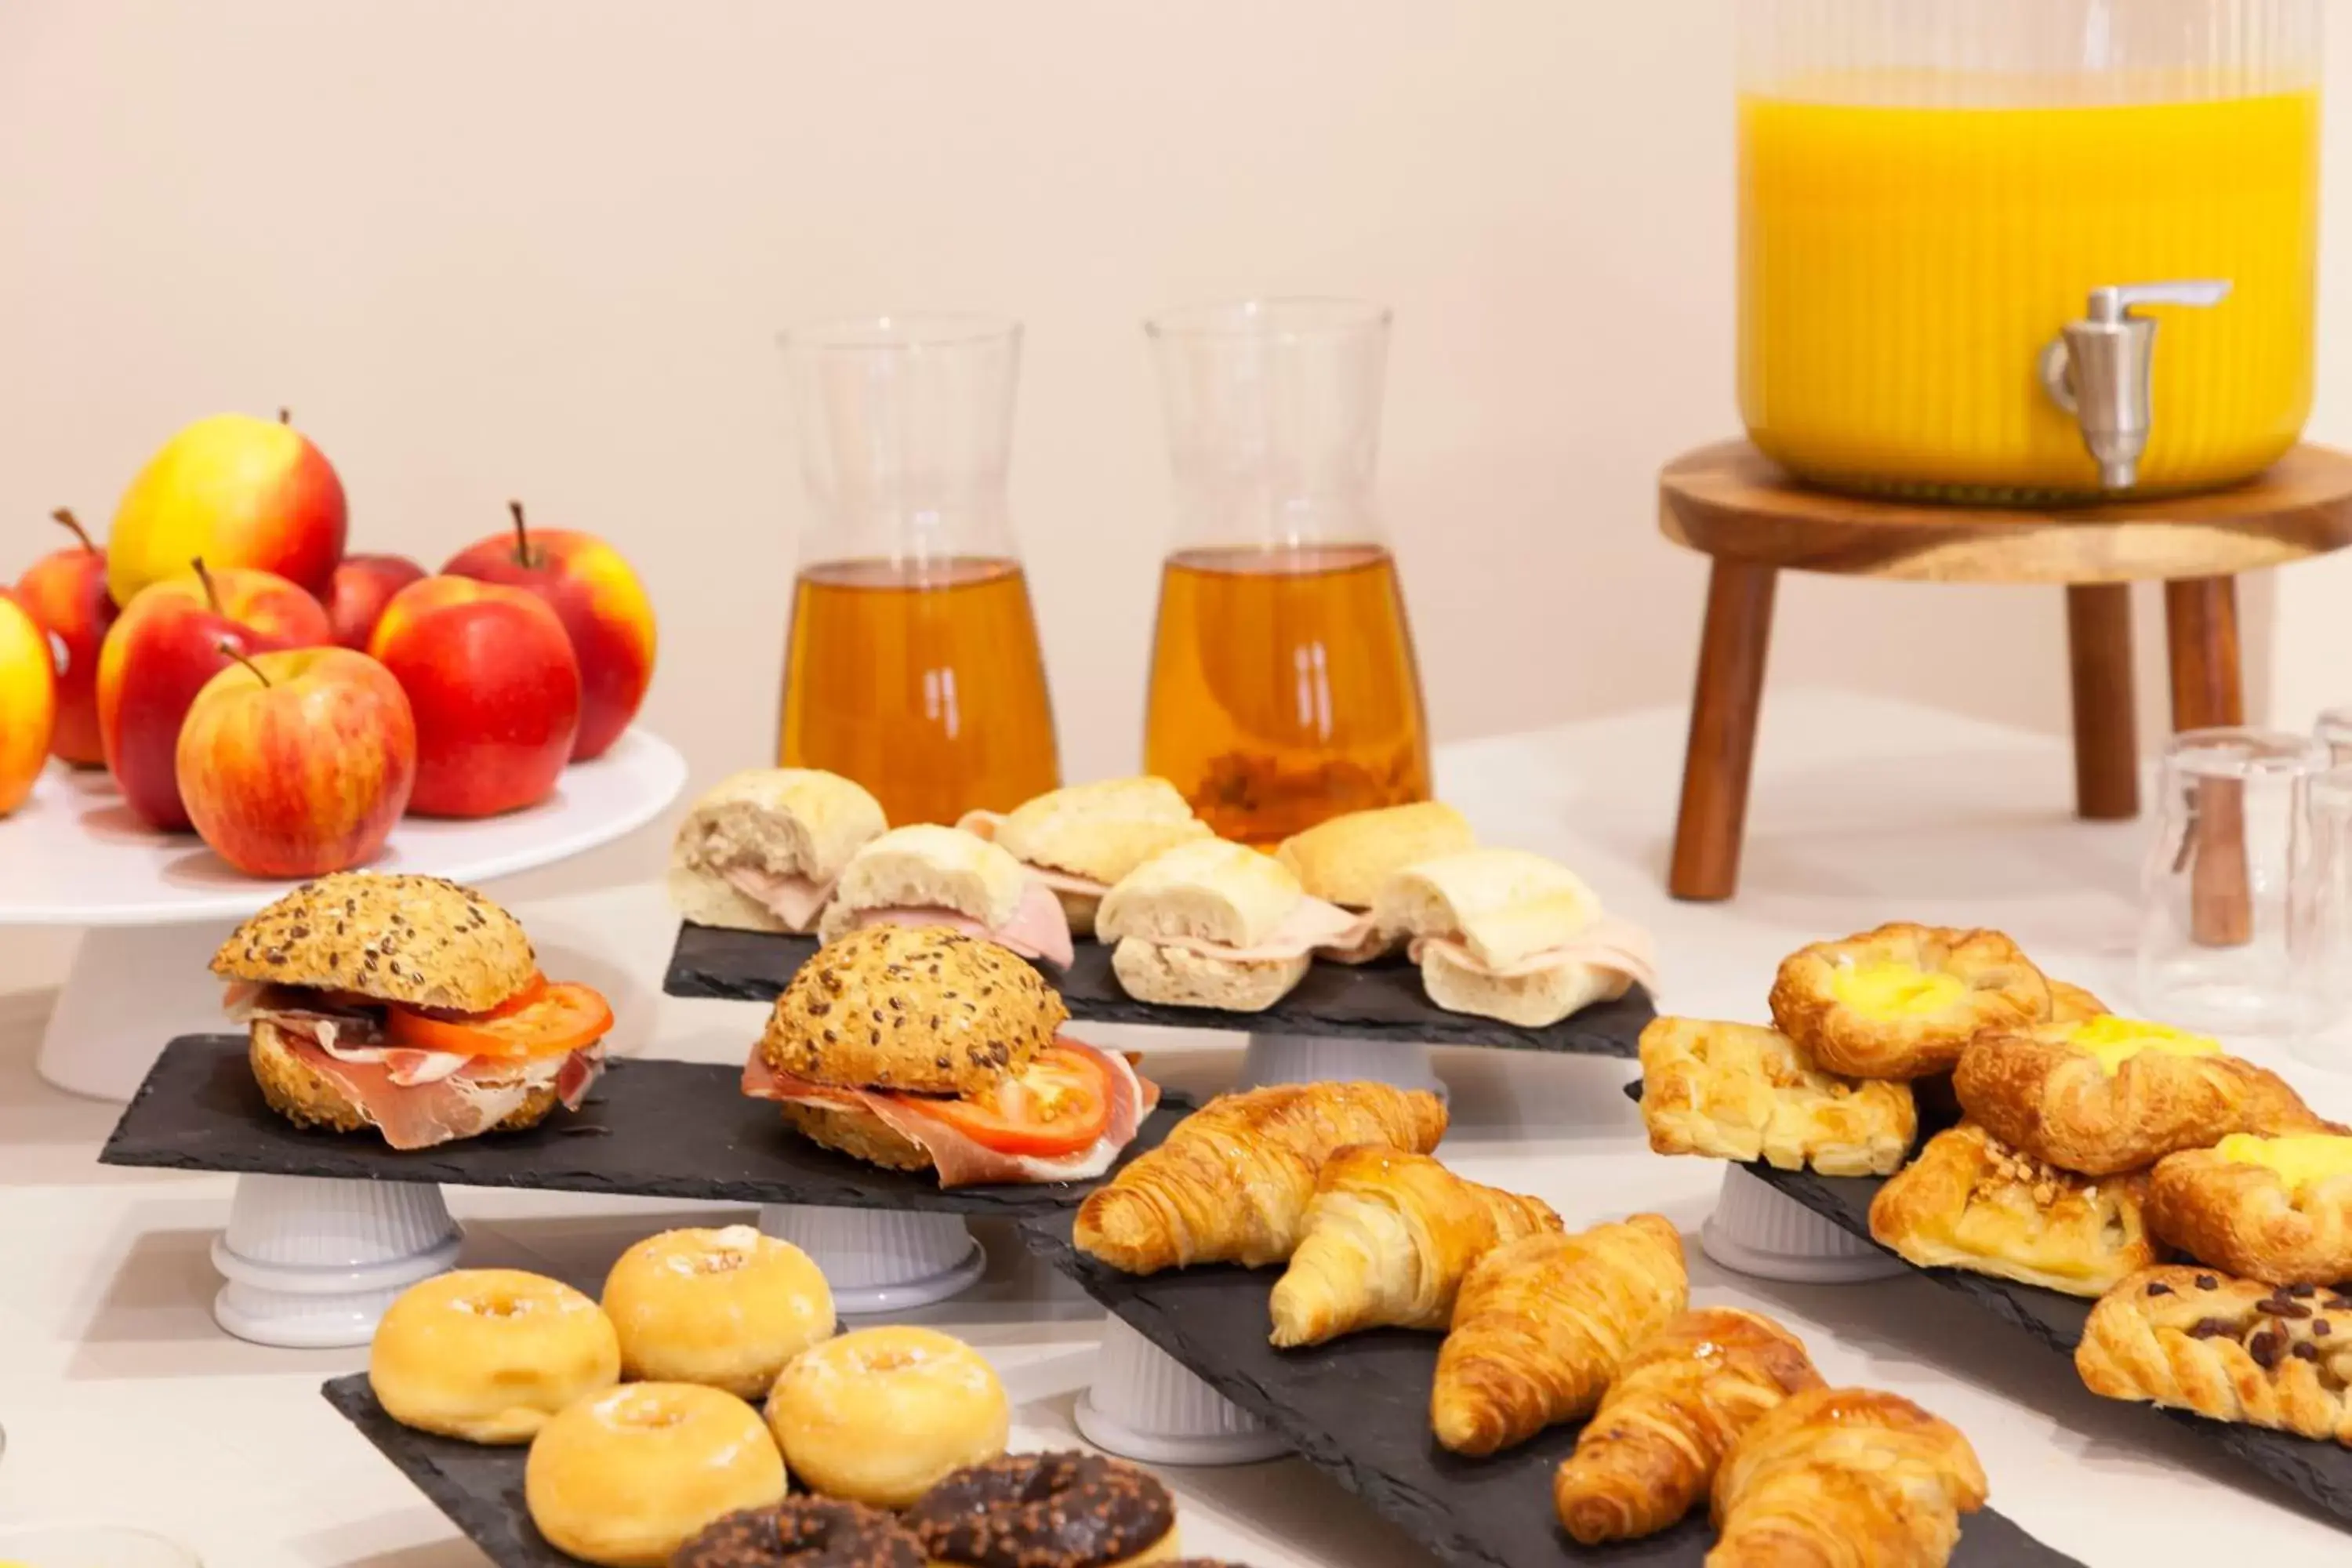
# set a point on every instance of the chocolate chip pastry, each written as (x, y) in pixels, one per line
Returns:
(2235, 1350)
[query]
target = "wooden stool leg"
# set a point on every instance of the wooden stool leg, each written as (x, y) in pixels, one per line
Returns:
(2106, 730)
(1722, 746)
(2200, 617)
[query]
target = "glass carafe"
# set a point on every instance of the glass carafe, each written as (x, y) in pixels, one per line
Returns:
(912, 665)
(1284, 688)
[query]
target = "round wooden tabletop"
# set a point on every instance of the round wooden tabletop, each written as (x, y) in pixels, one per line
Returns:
(1731, 501)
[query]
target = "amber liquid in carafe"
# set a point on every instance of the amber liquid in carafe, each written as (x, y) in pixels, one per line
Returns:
(1284, 689)
(923, 683)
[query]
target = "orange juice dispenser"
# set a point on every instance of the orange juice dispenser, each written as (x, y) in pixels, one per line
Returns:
(2014, 250)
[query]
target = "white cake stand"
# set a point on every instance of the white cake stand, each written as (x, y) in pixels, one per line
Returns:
(310, 1262)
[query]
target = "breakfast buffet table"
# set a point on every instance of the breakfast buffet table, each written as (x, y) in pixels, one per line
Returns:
(123, 1401)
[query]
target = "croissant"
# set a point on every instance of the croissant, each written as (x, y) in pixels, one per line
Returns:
(1679, 1403)
(1541, 1326)
(1845, 1477)
(1233, 1181)
(2235, 1350)
(1388, 1240)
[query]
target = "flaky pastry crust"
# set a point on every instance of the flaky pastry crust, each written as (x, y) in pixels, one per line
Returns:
(2001, 989)
(2246, 1218)
(1737, 1091)
(1971, 1202)
(2235, 1350)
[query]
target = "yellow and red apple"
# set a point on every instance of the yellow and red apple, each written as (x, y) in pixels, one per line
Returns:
(167, 645)
(298, 763)
(65, 591)
(28, 700)
(363, 586)
(603, 606)
(494, 689)
(236, 491)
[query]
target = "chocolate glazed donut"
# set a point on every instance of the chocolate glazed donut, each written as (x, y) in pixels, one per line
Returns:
(1044, 1510)
(803, 1533)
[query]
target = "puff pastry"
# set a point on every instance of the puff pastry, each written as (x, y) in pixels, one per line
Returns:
(1971, 1202)
(2275, 1209)
(2235, 1350)
(2073, 1004)
(1844, 1475)
(1389, 1237)
(1542, 1325)
(2115, 1094)
(1902, 1001)
(1678, 1405)
(1736, 1092)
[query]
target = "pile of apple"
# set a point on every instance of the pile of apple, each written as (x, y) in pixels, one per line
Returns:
(238, 674)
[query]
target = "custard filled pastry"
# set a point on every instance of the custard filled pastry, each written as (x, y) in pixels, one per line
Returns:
(1845, 1475)
(2235, 1350)
(1678, 1405)
(2073, 1004)
(1389, 1237)
(2275, 1209)
(2115, 1094)
(1542, 1325)
(1902, 1001)
(1736, 1092)
(1971, 1202)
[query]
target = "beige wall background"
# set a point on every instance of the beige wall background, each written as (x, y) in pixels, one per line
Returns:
(540, 247)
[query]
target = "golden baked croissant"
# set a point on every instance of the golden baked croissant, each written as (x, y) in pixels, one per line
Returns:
(1971, 1202)
(2111, 1094)
(1232, 1183)
(2235, 1350)
(1678, 1405)
(1902, 1001)
(1735, 1091)
(2276, 1209)
(1387, 1241)
(1542, 1325)
(1834, 1476)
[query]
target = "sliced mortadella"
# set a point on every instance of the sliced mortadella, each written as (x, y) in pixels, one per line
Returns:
(1619, 946)
(1311, 923)
(1037, 929)
(792, 898)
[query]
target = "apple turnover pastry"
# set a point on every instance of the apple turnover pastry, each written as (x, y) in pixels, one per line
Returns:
(1902, 1001)
(2235, 1350)
(2274, 1209)
(1971, 1202)
(1845, 1475)
(1737, 1091)
(2115, 1094)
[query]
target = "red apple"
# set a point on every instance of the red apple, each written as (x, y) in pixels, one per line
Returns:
(65, 591)
(238, 492)
(161, 653)
(363, 585)
(603, 608)
(298, 763)
(28, 701)
(494, 689)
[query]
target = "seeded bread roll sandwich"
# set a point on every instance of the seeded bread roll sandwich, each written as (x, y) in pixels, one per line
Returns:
(1213, 924)
(409, 1004)
(1080, 840)
(933, 875)
(1346, 860)
(918, 1048)
(764, 849)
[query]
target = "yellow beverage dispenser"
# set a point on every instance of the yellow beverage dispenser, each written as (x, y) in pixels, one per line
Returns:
(2026, 250)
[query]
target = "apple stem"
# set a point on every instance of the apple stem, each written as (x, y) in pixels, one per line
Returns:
(64, 516)
(212, 597)
(523, 554)
(285, 417)
(229, 648)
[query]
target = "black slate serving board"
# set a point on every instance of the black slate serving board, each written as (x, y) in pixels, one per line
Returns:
(1381, 1001)
(649, 1128)
(1359, 1410)
(480, 1488)
(2319, 1471)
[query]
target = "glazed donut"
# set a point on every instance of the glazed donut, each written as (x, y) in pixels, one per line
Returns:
(803, 1532)
(622, 1477)
(1046, 1510)
(880, 1415)
(489, 1354)
(727, 1307)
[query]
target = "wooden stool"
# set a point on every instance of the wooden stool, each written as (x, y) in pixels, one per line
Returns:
(1754, 520)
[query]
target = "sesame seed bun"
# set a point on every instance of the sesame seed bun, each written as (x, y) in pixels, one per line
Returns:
(418, 940)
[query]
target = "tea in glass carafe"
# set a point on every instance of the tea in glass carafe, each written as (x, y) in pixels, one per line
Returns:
(912, 665)
(1283, 687)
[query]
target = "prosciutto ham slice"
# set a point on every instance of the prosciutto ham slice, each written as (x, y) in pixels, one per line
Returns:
(1037, 930)
(983, 825)
(1311, 924)
(792, 898)
(1619, 946)
(420, 1099)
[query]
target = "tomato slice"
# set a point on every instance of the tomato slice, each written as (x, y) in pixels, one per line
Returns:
(1059, 1106)
(544, 1020)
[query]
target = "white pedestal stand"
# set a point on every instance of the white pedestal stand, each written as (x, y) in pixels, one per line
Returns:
(1757, 1231)
(1142, 1405)
(881, 1260)
(131, 990)
(312, 1262)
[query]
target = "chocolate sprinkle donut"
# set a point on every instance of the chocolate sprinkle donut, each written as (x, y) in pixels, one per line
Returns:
(1042, 1511)
(803, 1533)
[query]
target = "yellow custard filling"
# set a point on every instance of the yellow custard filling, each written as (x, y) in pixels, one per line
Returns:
(2298, 1160)
(1895, 990)
(2115, 1041)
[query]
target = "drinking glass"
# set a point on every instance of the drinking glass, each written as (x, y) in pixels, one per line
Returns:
(1284, 688)
(2323, 922)
(2335, 733)
(2217, 949)
(912, 665)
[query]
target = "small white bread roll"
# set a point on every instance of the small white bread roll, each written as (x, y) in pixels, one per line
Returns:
(879, 1415)
(927, 867)
(623, 1479)
(766, 841)
(726, 1308)
(489, 1354)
